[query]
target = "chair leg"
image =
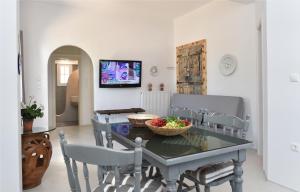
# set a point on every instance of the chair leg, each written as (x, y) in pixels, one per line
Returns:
(143, 174)
(158, 174)
(207, 188)
(197, 187)
(186, 187)
(180, 183)
(151, 172)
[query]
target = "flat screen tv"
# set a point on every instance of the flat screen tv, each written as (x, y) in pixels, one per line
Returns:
(120, 73)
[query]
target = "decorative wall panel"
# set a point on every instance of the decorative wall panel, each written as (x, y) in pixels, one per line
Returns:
(191, 68)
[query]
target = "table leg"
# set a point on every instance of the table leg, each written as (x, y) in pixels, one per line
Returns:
(238, 180)
(171, 185)
(238, 172)
(171, 175)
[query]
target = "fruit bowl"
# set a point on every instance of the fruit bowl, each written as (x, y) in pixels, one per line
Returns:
(138, 120)
(167, 131)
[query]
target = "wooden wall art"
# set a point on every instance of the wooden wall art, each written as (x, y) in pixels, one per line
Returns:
(191, 68)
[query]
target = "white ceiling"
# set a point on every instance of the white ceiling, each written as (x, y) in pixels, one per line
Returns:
(161, 8)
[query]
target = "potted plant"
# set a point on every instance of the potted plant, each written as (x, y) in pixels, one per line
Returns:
(29, 112)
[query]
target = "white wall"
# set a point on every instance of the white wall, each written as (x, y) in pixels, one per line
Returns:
(85, 89)
(283, 18)
(229, 28)
(10, 153)
(262, 68)
(120, 34)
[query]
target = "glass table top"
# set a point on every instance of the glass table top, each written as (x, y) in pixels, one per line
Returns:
(195, 140)
(38, 130)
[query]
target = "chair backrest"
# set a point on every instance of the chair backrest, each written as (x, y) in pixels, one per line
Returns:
(227, 123)
(102, 157)
(188, 114)
(102, 127)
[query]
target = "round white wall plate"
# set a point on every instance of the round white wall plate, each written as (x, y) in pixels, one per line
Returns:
(154, 71)
(228, 64)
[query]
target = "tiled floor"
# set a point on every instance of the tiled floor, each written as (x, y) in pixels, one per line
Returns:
(56, 180)
(66, 123)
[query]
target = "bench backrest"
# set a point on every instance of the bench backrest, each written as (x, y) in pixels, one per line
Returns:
(223, 104)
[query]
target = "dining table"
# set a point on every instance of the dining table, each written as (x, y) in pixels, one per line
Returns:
(174, 155)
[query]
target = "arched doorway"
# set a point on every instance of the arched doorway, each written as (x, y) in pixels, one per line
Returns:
(70, 87)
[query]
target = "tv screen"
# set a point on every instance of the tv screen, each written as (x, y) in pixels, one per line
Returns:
(120, 73)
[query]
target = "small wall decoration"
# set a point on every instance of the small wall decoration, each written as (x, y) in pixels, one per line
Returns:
(154, 71)
(191, 68)
(161, 87)
(228, 65)
(150, 87)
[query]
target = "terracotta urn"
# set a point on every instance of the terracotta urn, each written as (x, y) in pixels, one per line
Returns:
(27, 125)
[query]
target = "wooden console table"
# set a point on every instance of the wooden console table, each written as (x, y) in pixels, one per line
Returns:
(36, 155)
(119, 111)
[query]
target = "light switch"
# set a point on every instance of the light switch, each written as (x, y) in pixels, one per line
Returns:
(38, 82)
(294, 77)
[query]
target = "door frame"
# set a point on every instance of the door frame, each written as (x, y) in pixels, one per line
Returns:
(52, 84)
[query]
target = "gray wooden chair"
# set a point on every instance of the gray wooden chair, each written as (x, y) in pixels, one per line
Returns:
(106, 157)
(99, 127)
(188, 114)
(102, 127)
(227, 124)
(216, 174)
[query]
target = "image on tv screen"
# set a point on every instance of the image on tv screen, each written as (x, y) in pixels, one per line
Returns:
(120, 72)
